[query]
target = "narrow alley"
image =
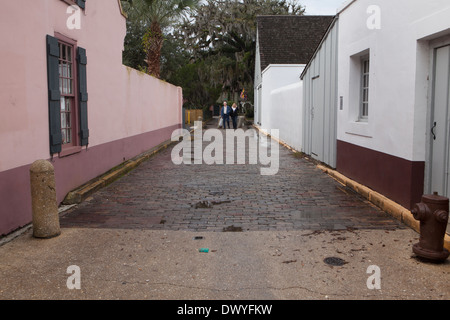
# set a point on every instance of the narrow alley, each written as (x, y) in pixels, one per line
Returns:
(188, 231)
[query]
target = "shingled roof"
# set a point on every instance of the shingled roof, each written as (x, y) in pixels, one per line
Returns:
(290, 39)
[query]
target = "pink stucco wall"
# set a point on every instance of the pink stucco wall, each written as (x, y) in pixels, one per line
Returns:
(128, 111)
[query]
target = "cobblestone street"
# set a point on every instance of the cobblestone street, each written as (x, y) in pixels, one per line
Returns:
(266, 237)
(228, 197)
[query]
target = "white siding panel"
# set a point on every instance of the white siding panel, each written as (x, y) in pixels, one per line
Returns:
(320, 101)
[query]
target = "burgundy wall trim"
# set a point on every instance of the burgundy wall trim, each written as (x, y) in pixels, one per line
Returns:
(70, 172)
(398, 179)
(15, 199)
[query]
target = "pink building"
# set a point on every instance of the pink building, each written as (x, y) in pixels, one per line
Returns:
(65, 96)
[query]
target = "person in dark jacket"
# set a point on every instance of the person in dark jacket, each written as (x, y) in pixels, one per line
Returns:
(234, 115)
(225, 113)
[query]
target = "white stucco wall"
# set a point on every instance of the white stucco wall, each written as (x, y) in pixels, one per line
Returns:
(288, 115)
(399, 72)
(281, 105)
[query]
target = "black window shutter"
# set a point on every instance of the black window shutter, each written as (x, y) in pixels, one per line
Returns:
(83, 96)
(54, 95)
(81, 3)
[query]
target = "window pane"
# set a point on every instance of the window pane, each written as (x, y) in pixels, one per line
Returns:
(366, 66)
(66, 130)
(68, 104)
(69, 136)
(64, 136)
(366, 81)
(365, 95)
(67, 121)
(63, 104)
(61, 48)
(64, 91)
(64, 70)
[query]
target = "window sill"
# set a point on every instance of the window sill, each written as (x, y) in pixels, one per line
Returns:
(358, 134)
(359, 128)
(69, 151)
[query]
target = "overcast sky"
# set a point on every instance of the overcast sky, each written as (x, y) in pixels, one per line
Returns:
(321, 7)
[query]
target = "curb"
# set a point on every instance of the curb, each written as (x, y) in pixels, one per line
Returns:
(392, 208)
(284, 144)
(84, 191)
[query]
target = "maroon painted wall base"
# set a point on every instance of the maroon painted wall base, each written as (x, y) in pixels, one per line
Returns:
(398, 179)
(70, 172)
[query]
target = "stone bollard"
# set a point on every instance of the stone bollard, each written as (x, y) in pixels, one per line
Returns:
(43, 199)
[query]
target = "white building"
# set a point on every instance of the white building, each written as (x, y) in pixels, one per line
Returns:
(284, 45)
(392, 62)
(394, 81)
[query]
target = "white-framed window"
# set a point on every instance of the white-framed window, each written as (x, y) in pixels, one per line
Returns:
(364, 92)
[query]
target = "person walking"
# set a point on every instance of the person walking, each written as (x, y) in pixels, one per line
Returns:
(225, 113)
(234, 115)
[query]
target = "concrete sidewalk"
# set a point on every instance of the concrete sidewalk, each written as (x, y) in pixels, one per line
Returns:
(137, 239)
(258, 265)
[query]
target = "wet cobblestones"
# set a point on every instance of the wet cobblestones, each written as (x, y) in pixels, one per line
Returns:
(162, 195)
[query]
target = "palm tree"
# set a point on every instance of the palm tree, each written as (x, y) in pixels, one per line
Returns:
(157, 15)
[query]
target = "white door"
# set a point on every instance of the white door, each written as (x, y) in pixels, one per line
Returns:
(440, 123)
(317, 118)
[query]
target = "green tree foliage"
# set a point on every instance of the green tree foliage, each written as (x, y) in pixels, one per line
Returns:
(226, 30)
(210, 52)
(154, 16)
(134, 54)
(197, 91)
